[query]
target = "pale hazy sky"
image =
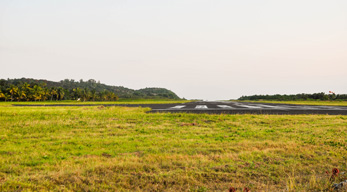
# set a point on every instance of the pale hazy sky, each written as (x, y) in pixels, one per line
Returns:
(216, 49)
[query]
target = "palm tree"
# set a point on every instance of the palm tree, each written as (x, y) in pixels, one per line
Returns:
(100, 95)
(85, 94)
(13, 90)
(37, 92)
(111, 96)
(21, 94)
(27, 90)
(103, 95)
(93, 94)
(46, 93)
(53, 92)
(77, 93)
(2, 95)
(7, 97)
(116, 98)
(60, 93)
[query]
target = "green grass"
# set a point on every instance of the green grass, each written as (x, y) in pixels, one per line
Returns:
(335, 103)
(121, 101)
(126, 149)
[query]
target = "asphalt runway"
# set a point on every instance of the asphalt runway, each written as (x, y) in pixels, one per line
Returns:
(251, 108)
(228, 107)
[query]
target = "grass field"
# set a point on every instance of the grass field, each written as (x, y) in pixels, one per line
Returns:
(335, 103)
(125, 149)
(121, 101)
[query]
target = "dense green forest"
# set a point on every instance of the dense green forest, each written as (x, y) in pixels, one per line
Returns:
(298, 97)
(25, 89)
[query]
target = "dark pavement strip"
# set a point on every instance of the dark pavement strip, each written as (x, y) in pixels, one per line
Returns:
(226, 108)
(254, 108)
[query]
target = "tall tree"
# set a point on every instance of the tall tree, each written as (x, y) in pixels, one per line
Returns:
(27, 90)
(2, 95)
(13, 91)
(46, 93)
(60, 93)
(77, 93)
(53, 92)
(103, 95)
(37, 92)
(93, 94)
(21, 94)
(7, 97)
(85, 94)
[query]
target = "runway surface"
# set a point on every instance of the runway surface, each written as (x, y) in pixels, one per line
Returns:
(228, 107)
(250, 108)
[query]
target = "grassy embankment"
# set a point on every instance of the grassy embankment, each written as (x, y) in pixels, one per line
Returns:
(335, 103)
(117, 148)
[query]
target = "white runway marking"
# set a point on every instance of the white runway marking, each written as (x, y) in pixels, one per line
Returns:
(225, 106)
(178, 107)
(249, 106)
(310, 108)
(201, 107)
(271, 106)
(332, 107)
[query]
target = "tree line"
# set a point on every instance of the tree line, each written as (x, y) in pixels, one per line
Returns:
(40, 92)
(93, 86)
(298, 97)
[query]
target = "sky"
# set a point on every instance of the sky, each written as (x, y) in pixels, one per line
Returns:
(200, 49)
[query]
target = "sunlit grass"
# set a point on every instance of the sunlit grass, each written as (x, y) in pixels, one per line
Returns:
(118, 148)
(335, 103)
(121, 101)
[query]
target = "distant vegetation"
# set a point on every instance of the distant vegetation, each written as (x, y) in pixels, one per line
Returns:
(298, 97)
(42, 90)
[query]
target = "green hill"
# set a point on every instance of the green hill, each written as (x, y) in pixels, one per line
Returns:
(73, 89)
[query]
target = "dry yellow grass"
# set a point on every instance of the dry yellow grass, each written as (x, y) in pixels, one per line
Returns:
(126, 149)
